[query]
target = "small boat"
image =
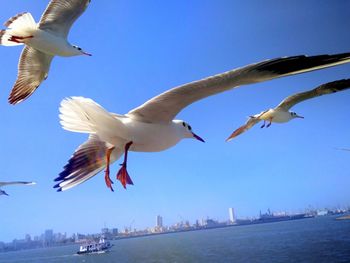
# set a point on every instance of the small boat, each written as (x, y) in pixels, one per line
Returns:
(93, 247)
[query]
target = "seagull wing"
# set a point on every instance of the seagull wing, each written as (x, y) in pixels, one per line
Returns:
(330, 87)
(33, 68)
(16, 182)
(164, 107)
(250, 123)
(60, 15)
(88, 160)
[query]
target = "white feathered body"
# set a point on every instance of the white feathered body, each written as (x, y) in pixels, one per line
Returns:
(275, 115)
(43, 40)
(84, 115)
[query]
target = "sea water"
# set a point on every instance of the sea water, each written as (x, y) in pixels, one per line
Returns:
(321, 239)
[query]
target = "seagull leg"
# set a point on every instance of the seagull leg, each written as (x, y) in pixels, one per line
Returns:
(18, 39)
(270, 122)
(108, 180)
(122, 174)
(262, 126)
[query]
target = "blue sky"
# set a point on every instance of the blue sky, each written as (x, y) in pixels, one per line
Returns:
(142, 48)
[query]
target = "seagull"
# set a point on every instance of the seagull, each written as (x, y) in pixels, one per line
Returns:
(343, 149)
(281, 113)
(151, 127)
(2, 192)
(42, 42)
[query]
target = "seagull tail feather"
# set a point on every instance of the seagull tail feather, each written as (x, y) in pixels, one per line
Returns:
(20, 25)
(83, 115)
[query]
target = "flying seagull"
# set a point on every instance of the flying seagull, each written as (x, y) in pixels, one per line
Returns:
(151, 127)
(343, 149)
(281, 113)
(42, 42)
(2, 192)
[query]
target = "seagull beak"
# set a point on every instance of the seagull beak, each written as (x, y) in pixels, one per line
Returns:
(297, 116)
(197, 137)
(86, 54)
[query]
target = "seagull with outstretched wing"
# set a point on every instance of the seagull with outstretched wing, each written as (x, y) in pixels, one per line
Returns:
(151, 127)
(42, 42)
(281, 113)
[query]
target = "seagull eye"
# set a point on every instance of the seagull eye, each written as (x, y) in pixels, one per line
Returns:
(183, 124)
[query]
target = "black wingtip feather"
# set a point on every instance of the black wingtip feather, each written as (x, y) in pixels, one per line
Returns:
(297, 63)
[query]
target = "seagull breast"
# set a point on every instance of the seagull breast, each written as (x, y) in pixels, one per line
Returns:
(152, 137)
(51, 44)
(276, 115)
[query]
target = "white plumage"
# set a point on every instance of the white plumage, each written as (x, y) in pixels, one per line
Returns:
(42, 42)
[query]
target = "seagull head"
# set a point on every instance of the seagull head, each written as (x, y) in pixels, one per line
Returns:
(294, 115)
(186, 130)
(80, 51)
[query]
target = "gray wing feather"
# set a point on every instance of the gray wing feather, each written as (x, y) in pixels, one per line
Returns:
(164, 107)
(250, 123)
(328, 88)
(60, 15)
(88, 160)
(33, 68)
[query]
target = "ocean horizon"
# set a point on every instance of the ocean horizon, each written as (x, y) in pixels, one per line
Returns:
(320, 239)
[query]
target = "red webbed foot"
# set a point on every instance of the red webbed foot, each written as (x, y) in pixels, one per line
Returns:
(108, 181)
(123, 177)
(18, 39)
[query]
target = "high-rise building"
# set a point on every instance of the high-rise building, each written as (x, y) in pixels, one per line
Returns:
(48, 236)
(28, 238)
(159, 222)
(115, 231)
(232, 215)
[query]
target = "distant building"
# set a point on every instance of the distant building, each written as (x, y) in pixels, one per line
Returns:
(28, 238)
(48, 236)
(115, 231)
(159, 223)
(105, 230)
(107, 233)
(232, 215)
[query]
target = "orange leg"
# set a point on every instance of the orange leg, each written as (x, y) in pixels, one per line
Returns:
(122, 174)
(108, 180)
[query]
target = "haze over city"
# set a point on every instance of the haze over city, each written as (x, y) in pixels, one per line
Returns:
(155, 46)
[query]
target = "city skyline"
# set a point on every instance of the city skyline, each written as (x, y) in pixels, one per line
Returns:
(143, 48)
(49, 235)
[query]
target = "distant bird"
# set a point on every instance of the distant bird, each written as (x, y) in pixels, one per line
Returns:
(151, 127)
(281, 113)
(42, 42)
(2, 192)
(343, 149)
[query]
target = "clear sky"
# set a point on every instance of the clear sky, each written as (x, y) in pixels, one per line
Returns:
(142, 48)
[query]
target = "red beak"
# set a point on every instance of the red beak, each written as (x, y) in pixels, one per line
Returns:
(197, 137)
(87, 54)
